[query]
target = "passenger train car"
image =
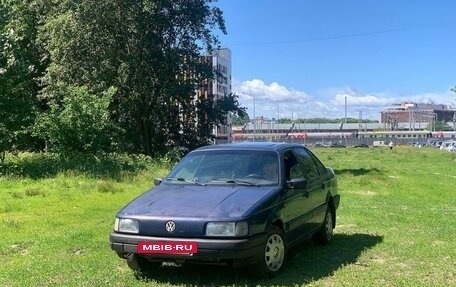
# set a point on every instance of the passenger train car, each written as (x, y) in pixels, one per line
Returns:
(350, 137)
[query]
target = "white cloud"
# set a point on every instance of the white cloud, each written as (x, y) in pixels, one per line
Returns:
(271, 100)
(446, 98)
(273, 92)
(357, 99)
(276, 99)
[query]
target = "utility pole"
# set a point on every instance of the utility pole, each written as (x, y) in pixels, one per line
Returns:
(254, 120)
(278, 124)
(454, 121)
(345, 109)
(360, 121)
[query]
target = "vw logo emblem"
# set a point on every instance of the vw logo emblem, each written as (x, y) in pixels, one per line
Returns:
(170, 226)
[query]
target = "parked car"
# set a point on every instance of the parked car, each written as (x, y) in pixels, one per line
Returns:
(437, 144)
(336, 145)
(363, 145)
(239, 204)
(321, 144)
(446, 145)
(452, 147)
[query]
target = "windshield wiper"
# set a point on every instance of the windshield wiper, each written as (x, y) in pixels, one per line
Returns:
(235, 181)
(185, 180)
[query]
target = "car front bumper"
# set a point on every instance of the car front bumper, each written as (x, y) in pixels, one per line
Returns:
(235, 252)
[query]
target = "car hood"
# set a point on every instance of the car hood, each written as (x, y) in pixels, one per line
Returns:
(179, 200)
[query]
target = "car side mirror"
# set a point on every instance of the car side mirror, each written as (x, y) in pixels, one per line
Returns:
(158, 181)
(297, 183)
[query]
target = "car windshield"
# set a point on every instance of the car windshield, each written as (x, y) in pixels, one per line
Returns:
(227, 167)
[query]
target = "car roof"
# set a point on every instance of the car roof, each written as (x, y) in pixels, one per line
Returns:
(265, 146)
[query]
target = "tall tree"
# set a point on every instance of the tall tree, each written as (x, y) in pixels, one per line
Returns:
(22, 63)
(148, 49)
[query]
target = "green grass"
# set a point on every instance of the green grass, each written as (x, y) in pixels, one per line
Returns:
(396, 224)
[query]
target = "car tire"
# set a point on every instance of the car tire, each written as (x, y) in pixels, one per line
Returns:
(273, 256)
(325, 234)
(140, 264)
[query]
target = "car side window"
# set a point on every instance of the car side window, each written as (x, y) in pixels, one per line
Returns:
(292, 169)
(307, 163)
(320, 166)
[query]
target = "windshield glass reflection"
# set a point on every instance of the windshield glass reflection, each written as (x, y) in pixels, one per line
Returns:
(230, 167)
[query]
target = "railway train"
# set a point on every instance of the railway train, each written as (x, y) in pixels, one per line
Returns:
(398, 137)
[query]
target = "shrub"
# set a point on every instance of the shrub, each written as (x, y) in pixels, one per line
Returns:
(79, 122)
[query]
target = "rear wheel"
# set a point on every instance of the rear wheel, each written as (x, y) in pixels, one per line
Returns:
(274, 254)
(325, 234)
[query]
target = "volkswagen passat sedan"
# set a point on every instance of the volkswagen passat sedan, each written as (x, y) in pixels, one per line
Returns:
(240, 204)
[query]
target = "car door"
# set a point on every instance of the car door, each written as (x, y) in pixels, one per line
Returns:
(317, 187)
(297, 207)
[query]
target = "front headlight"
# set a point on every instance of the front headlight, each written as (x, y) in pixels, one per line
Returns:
(126, 225)
(227, 229)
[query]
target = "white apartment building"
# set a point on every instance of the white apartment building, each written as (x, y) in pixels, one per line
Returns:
(220, 86)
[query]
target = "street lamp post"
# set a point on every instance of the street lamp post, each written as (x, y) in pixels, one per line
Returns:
(278, 122)
(254, 122)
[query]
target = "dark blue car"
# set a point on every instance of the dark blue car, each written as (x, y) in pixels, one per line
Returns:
(240, 204)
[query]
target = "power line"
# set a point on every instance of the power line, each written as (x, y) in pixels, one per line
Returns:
(345, 36)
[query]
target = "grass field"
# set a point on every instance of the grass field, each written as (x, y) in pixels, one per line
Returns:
(396, 224)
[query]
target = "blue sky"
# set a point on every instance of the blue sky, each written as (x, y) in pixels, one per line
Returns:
(303, 58)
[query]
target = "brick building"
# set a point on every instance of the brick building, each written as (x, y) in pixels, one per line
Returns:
(416, 113)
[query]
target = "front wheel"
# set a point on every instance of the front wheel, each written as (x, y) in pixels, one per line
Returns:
(325, 234)
(273, 256)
